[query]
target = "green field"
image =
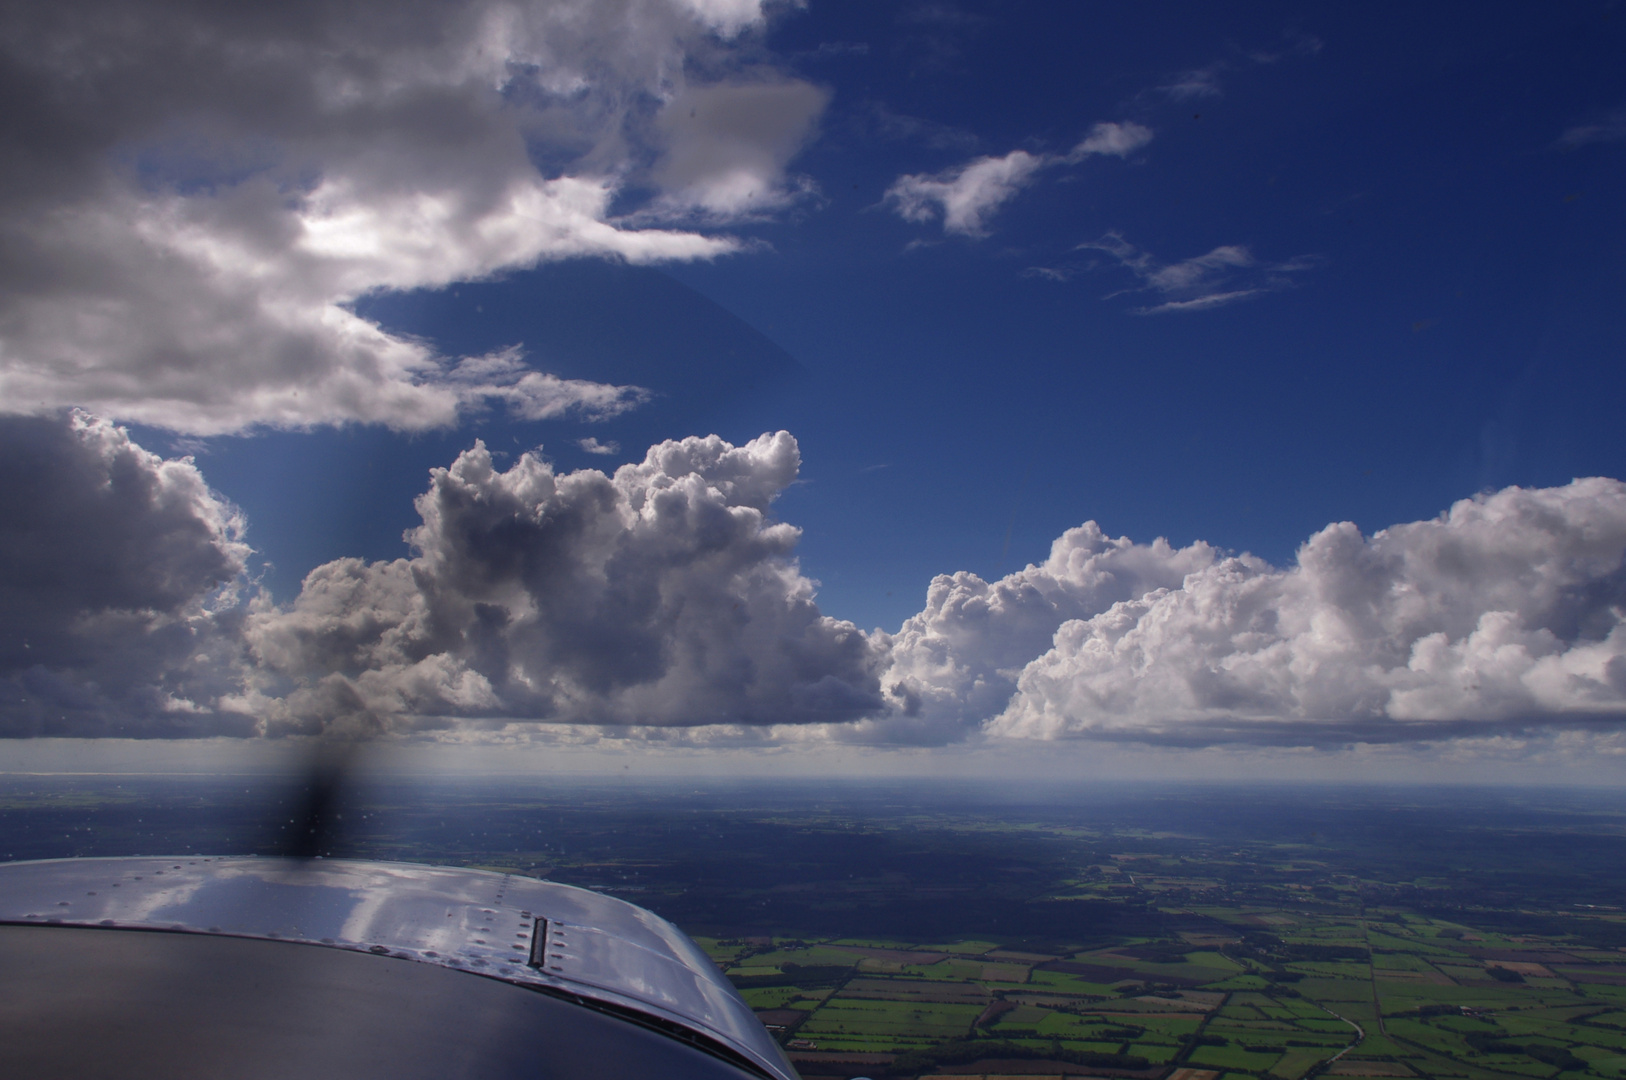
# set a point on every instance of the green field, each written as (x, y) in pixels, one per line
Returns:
(1260, 1007)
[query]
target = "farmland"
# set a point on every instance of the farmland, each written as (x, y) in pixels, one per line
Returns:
(1250, 1005)
(1142, 934)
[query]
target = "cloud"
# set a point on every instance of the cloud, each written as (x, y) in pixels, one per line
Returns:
(1204, 82)
(725, 17)
(537, 395)
(1197, 83)
(965, 196)
(593, 446)
(1225, 275)
(1115, 140)
(955, 663)
(663, 595)
(186, 257)
(1503, 614)
(900, 127)
(1608, 129)
(727, 147)
(119, 574)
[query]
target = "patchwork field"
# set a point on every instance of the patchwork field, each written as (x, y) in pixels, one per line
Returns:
(905, 932)
(1385, 993)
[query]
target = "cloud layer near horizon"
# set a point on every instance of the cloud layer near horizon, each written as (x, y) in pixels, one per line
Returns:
(1506, 611)
(195, 192)
(667, 596)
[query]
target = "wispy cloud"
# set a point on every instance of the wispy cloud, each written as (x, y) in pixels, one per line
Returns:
(1607, 129)
(1110, 140)
(1227, 274)
(965, 196)
(1205, 82)
(593, 446)
(900, 127)
(1198, 83)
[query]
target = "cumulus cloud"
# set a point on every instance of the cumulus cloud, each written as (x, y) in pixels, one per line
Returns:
(965, 196)
(665, 596)
(662, 595)
(1503, 613)
(593, 446)
(1223, 276)
(195, 192)
(118, 586)
(955, 663)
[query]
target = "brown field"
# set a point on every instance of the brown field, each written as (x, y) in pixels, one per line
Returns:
(1602, 978)
(1523, 967)
(1532, 956)
(894, 956)
(1009, 973)
(1020, 1069)
(1433, 978)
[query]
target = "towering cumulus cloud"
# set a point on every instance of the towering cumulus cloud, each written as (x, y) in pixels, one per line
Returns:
(1504, 612)
(117, 576)
(663, 595)
(196, 190)
(955, 664)
(666, 596)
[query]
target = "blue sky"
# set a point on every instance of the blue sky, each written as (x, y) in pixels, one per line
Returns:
(1457, 326)
(1220, 274)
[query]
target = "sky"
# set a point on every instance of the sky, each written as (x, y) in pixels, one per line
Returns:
(1166, 388)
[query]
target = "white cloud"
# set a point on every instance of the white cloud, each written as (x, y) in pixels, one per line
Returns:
(664, 595)
(185, 258)
(726, 17)
(593, 446)
(536, 395)
(1225, 275)
(1504, 613)
(1115, 140)
(955, 663)
(966, 195)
